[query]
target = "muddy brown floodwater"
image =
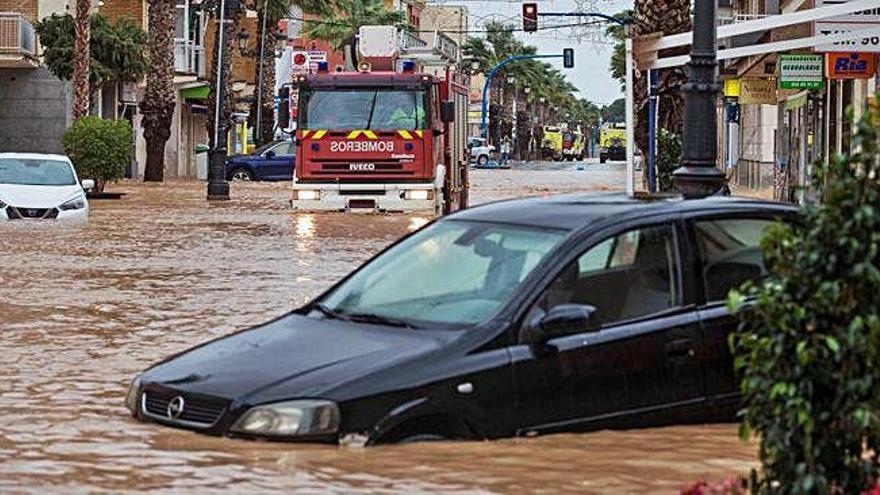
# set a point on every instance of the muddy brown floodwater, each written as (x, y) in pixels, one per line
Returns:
(84, 308)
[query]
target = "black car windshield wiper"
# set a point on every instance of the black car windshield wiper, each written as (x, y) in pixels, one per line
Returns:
(379, 320)
(329, 312)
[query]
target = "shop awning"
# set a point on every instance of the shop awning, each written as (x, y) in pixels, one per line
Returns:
(195, 92)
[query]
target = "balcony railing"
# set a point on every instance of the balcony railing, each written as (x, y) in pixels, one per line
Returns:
(17, 39)
(189, 58)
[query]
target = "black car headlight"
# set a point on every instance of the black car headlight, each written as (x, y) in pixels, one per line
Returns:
(73, 204)
(131, 398)
(295, 418)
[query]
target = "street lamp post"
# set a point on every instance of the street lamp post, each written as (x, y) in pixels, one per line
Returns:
(218, 188)
(698, 176)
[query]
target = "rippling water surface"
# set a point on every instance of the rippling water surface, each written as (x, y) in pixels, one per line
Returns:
(83, 308)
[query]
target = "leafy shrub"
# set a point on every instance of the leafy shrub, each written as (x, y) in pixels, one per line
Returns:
(808, 347)
(668, 158)
(98, 148)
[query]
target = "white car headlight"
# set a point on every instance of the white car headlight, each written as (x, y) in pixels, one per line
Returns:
(74, 204)
(131, 398)
(290, 418)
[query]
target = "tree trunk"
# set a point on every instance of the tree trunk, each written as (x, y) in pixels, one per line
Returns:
(81, 54)
(667, 17)
(227, 105)
(266, 84)
(159, 100)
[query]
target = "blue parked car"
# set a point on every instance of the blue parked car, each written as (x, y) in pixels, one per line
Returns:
(273, 161)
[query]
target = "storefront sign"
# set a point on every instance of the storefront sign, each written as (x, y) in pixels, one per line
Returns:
(758, 92)
(801, 71)
(857, 21)
(854, 65)
(732, 88)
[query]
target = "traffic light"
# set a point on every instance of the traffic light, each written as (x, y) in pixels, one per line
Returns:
(284, 107)
(568, 58)
(530, 17)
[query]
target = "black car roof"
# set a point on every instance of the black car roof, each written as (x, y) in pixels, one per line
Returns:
(575, 211)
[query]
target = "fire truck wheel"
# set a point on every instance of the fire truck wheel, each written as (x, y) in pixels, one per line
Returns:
(483, 160)
(242, 174)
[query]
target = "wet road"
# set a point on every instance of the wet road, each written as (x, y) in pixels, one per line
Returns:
(84, 308)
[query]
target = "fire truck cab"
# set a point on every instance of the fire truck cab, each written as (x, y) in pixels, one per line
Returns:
(388, 137)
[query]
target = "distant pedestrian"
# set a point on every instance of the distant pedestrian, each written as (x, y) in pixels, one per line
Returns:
(506, 147)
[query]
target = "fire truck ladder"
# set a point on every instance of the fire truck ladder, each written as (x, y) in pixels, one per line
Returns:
(443, 50)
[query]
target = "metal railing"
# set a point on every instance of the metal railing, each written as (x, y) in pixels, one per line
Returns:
(16, 34)
(189, 58)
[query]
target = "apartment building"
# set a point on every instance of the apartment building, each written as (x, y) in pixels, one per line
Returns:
(34, 104)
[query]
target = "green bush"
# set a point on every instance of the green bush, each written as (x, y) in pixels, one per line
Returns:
(668, 158)
(99, 149)
(808, 348)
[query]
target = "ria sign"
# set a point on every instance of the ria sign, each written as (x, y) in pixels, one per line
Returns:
(855, 65)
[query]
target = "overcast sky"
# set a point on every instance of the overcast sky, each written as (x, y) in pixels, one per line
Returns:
(591, 73)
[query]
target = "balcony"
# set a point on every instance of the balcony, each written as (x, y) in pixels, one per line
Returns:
(189, 58)
(17, 42)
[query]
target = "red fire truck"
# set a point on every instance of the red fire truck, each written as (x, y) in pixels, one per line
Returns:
(381, 140)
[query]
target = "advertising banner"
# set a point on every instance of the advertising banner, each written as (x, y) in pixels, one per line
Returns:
(857, 21)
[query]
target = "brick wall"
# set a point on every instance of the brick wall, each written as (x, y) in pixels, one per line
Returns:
(133, 9)
(27, 7)
(242, 67)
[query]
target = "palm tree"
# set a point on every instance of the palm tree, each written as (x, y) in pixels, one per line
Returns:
(339, 26)
(81, 40)
(159, 100)
(269, 12)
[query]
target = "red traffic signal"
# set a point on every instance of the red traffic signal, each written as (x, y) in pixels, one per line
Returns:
(530, 17)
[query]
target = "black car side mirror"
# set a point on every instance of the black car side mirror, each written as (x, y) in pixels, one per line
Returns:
(269, 154)
(561, 320)
(447, 111)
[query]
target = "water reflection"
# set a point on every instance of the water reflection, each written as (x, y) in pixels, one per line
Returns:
(83, 309)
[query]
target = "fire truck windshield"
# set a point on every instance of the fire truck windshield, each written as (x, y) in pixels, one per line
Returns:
(351, 109)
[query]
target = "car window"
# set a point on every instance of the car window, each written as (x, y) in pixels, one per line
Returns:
(36, 172)
(450, 273)
(282, 149)
(730, 253)
(627, 276)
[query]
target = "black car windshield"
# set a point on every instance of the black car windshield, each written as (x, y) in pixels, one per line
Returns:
(357, 109)
(36, 172)
(452, 272)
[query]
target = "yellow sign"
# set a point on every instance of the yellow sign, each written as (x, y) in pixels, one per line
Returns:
(758, 92)
(731, 88)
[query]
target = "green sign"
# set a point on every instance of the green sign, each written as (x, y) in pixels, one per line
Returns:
(801, 71)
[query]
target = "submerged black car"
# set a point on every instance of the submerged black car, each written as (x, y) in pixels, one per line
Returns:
(566, 313)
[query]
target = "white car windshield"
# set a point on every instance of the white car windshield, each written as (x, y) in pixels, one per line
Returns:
(450, 273)
(36, 172)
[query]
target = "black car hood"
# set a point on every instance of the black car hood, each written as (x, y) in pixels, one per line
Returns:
(295, 356)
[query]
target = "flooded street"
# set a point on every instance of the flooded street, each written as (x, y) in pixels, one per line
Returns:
(84, 308)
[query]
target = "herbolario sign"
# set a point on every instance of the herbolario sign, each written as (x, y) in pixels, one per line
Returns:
(801, 71)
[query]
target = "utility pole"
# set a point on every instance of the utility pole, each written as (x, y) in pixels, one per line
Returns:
(698, 176)
(218, 188)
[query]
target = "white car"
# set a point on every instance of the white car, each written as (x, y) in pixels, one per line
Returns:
(480, 151)
(36, 186)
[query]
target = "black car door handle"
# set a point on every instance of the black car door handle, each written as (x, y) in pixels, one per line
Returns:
(680, 348)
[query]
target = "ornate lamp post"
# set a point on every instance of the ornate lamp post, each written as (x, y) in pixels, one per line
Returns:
(698, 176)
(218, 188)
(280, 41)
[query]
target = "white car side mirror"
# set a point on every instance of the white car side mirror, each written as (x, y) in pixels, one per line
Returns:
(88, 184)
